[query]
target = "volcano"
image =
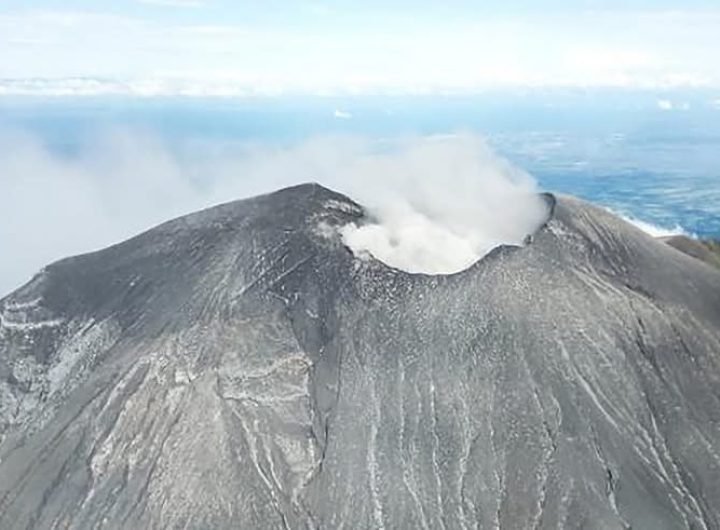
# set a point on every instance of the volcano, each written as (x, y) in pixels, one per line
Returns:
(240, 368)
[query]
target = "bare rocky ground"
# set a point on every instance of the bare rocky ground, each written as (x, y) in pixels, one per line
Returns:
(707, 250)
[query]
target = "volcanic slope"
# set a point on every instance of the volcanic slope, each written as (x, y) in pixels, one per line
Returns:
(240, 368)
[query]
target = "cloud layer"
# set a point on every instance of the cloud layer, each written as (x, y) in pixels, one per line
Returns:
(441, 203)
(250, 47)
(653, 229)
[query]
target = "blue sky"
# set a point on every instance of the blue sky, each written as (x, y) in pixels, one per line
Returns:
(224, 47)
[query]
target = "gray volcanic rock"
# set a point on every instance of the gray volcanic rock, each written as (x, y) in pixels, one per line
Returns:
(707, 251)
(239, 368)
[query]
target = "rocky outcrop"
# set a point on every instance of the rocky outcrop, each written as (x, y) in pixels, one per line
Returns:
(704, 250)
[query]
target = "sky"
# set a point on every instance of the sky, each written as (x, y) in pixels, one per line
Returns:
(223, 47)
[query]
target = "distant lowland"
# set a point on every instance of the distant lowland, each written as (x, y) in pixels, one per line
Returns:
(651, 155)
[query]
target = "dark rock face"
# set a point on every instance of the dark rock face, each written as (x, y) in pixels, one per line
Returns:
(707, 251)
(239, 368)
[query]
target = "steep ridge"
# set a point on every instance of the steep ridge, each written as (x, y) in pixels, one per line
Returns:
(707, 251)
(239, 367)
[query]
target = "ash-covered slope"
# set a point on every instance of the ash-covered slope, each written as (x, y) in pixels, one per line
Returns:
(239, 368)
(707, 251)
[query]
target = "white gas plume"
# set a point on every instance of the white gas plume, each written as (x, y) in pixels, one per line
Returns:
(438, 203)
(441, 204)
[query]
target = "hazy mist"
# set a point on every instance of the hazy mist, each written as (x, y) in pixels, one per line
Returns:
(440, 202)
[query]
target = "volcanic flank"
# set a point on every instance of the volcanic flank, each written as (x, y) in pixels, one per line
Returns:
(241, 368)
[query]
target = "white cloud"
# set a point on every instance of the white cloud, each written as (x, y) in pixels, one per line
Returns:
(62, 87)
(342, 114)
(666, 104)
(175, 3)
(441, 202)
(617, 49)
(319, 9)
(78, 87)
(653, 229)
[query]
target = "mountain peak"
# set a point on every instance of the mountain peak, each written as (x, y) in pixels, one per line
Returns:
(241, 367)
